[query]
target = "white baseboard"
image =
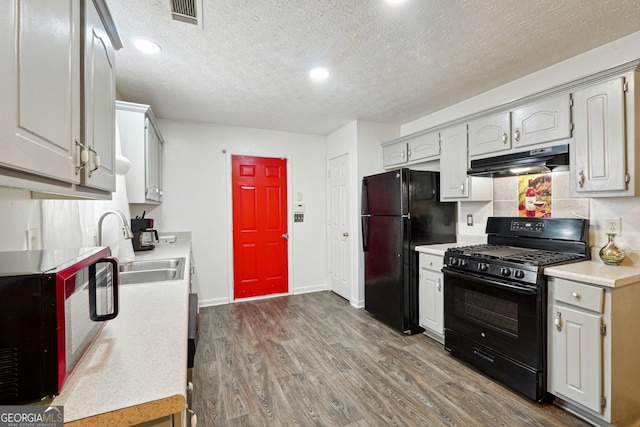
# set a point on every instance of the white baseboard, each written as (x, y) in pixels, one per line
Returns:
(309, 289)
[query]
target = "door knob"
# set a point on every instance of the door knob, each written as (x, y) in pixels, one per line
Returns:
(345, 234)
(285, 236)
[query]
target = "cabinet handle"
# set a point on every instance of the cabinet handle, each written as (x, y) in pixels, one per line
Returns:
(576, 295)
(96, 161)
(516, 135)
(439, 286)
(84, 155)
(408, 154)
(462, 188)
(581, 179)
(505, 138)
(558, 321)
(403, 154)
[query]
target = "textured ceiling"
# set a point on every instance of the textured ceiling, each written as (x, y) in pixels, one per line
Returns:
(248, 63)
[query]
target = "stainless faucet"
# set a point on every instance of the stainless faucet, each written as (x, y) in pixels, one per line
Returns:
(126, 230)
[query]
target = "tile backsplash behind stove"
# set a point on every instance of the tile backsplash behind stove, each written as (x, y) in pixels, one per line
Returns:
(505, 197)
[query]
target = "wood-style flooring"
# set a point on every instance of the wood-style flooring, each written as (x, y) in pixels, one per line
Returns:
(314, 360)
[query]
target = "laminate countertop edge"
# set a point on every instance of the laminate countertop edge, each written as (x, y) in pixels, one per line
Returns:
(133, 415)
(136, 369)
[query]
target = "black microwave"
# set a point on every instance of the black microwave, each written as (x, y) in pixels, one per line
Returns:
(53, 304)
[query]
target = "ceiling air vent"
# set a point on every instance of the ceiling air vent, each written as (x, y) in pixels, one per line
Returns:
(185, 11)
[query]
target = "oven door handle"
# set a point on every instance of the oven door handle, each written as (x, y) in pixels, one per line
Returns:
(501, 285)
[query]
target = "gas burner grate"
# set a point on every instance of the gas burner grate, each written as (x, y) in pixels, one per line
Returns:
(540, 257)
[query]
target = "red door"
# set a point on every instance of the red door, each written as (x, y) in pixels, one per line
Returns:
(259, 188)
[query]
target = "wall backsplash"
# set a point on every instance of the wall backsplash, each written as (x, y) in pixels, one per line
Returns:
(505, 197)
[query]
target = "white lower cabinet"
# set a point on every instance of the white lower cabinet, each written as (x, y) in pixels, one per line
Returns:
(592, 351)
(431, 295)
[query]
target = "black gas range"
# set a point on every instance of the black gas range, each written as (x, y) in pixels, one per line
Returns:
(496, 296)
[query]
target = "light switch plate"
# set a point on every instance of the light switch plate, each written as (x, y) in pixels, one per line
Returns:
(470, 220)
(299, 217)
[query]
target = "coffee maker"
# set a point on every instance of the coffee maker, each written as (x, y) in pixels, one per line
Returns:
(143, 234)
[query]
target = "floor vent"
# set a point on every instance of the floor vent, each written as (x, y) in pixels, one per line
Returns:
(185, 11)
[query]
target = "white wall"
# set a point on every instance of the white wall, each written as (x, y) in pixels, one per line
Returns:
(361, 140)
(197, 199)
(19, 213)
(63, 223)
(602, 58)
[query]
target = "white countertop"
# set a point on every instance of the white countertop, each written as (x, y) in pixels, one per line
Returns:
(597, 273)
(461, 240)
(436, 249)
(136, 369)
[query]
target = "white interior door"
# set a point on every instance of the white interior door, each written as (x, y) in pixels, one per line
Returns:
(339, 227)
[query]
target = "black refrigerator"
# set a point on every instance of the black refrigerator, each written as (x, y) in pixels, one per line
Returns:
(401, 209)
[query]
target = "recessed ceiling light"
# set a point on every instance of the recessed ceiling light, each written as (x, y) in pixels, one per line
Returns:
(319, 73)
(147, 46)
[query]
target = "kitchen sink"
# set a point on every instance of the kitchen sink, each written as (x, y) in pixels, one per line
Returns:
(157, 270)
(152, 264)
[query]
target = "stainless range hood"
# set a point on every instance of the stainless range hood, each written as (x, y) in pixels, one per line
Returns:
(539, 160)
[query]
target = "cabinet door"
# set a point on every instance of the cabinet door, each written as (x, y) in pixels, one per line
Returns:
(99, 102)
(543, 121)
(153, 163)
(490, 134)
(40, 87)
(431, 300)
(424, 147)
(600, 143)
(576, 345)
(394, 154)
(454, 183)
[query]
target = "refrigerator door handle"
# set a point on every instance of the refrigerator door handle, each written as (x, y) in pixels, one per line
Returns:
(365, 197)
(365, 233)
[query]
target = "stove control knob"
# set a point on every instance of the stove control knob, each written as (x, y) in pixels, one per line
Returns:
(519, 274)
(482, 267)
(453, 261)
(463, 263)
(505, 271)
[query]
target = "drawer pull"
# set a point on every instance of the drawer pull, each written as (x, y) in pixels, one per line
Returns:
(576, 295)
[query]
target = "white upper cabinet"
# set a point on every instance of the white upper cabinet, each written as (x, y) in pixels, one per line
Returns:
(539, 122)
(40, 81)
(490, 134)
(601, 164)
(99, 106)
(424, 147)
(57, 91)
(454, 161)
(543, 121)
(394, 154)
(415, 148)
(142, 144)
(454, 182)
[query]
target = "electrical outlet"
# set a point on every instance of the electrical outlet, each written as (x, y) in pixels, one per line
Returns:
(613, 226)
(33, 239)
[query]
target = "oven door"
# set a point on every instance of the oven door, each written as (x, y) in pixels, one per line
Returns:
(500, 315)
